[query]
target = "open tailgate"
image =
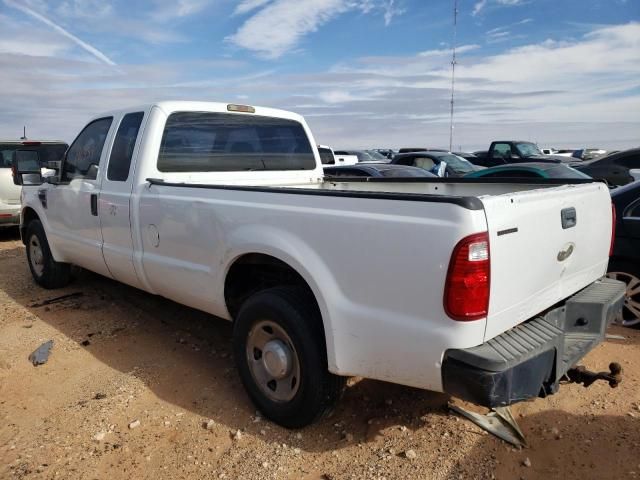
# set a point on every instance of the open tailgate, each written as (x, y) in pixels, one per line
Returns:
(545, 245)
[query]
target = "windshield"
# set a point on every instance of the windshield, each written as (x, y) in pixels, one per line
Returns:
(456, 163)
(47, 153)
(528, 149)
(376, 155)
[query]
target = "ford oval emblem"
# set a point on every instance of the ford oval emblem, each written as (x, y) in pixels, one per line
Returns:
(566, 252)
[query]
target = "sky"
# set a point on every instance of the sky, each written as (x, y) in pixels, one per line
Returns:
(364, 73)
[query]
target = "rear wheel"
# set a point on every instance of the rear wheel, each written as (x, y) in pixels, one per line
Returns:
(629, 274)
(45, 270)
(280, 351)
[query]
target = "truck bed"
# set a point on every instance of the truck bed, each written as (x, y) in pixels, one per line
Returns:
(379, 251)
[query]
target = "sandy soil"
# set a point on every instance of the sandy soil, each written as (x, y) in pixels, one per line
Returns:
(123, 356)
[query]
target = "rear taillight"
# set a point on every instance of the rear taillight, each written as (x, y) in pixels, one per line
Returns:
(613, 228)
(466, 292)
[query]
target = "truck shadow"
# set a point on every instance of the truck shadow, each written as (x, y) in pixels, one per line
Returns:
(561, 445)
(184, 357)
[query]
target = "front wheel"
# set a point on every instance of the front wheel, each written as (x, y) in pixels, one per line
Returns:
(279, 348)
(629, 274)
(45, 270)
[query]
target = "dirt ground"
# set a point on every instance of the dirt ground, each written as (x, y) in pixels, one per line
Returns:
(122, 356)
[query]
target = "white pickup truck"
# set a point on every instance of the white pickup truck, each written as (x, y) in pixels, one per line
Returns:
(488, 291)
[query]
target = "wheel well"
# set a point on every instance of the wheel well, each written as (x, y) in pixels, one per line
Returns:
(28, 214)
(254, 272)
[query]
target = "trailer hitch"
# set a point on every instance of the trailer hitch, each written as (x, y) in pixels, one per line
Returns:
(580, 374)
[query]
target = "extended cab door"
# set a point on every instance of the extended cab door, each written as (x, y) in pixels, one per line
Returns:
(72, 204)
(115, 198)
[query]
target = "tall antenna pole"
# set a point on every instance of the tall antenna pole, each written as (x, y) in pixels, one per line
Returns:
(453, 70)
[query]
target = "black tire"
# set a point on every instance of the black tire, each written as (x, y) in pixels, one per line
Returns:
(294, 310)
(47, 272)
(625, 271)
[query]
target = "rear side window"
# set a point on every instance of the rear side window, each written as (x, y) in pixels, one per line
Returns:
(123, 145)
(222, 142)
(83, 157)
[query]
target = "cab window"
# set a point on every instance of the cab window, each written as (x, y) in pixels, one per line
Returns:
(221, 142)
(123, 145)
(83, 157)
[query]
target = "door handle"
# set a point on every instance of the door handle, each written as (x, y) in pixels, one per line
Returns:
(94, 204)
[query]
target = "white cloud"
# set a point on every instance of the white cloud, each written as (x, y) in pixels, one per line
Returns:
(577, 93)
(391, 10)
(279, 25)
(447, 52)
(84, 45)
(479, 6)
(166, 10)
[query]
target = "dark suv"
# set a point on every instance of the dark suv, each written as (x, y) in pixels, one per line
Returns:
(616, 168)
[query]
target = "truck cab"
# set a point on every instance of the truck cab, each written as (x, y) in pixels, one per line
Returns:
(503, 152)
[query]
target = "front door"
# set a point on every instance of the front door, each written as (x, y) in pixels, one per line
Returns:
(114, 201)
(72, 204)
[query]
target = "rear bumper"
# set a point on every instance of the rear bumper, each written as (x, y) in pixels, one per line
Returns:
(9, 214)
(530, 359)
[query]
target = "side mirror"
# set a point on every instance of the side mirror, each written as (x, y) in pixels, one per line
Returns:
(92, 172)
(25, 168)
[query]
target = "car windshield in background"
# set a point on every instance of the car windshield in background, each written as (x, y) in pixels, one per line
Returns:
(455, 163)
(46, 152)
(376, 155)
(528, 149)
(226, 142)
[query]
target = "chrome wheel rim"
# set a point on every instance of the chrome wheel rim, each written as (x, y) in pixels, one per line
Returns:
(273, 361)
(631, 308)
(36, 256)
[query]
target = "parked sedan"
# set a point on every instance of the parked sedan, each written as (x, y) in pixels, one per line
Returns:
(530, 170)
(617, 169)
(431, 161)
(363, 169)
(625, 260)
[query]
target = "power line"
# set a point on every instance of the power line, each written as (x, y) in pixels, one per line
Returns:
(453, 70)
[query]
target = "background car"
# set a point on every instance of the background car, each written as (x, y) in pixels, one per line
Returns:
(625, 259)
(42, 152)
(363, 155)
(588, 153)
(387, 152)
(376, 170)
(530, 170)
(617, 169)
(430, 160)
